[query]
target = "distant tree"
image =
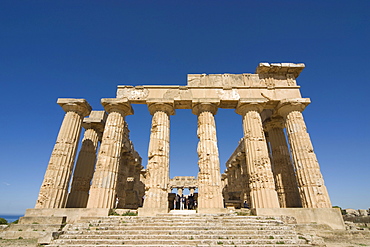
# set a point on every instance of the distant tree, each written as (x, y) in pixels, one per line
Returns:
(3, 221)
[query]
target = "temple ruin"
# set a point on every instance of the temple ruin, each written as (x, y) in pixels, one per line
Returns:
(274, 167)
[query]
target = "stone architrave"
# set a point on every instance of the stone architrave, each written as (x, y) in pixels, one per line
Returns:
(54, 189)
(285, 179)
(311, 185)
(209, 178)
(157, 171)
(84, 170)
(261, 180)
(103, 187)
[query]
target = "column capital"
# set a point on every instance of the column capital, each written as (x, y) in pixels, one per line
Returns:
(245, 106)
(95, 121)
(122, 106)
(167, 107)
(202, 107)
(274, 122)
(80, 106)
(288, 105)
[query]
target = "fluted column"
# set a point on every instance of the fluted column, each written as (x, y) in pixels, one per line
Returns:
(209, 178)
(157, 175)
(54, 189)
(312, 190)
(261, 180)
(285, 179)
(103, 187)
(84, 170)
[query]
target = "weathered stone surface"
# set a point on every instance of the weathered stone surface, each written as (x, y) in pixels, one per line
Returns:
(285, 179)
(103, 187)
(157, 172)
(209, 178)
(261, 180)
(54, 189)
(259, 173)
(311, 184)
(84, 170)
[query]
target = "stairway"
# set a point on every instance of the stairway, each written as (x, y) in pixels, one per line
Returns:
(180, 230)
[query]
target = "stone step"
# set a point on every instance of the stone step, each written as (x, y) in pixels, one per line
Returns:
(176, 217)
(220, 232)
(34, 227)
(181, 236)
(198, 245)
(186, 222)
(213, 242)
(179, 228)
(178, 225)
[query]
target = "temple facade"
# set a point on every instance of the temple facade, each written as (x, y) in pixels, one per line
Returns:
(273, 167)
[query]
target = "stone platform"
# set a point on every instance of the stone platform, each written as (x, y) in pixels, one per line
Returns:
(180, 230)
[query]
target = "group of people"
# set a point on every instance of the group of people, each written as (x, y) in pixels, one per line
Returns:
(182, 202)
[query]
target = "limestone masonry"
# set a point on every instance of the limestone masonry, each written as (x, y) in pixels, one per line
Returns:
(273, 170)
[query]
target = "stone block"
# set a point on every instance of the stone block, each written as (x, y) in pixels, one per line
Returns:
(72, 214)
(351, 211)
(43, 220)
(151, 211)
(329, 216)
(362, 212)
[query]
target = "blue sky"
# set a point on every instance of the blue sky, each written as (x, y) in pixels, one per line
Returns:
(84, 49)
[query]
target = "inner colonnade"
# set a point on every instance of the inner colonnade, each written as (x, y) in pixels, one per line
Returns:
(274, 165)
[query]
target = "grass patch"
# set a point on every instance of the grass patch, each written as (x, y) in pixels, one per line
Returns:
(128, 213)
(242, 213)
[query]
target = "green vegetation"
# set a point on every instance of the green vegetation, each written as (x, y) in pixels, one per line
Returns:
(128, 213)
(3, 221)
(113, 212)
(242, 213)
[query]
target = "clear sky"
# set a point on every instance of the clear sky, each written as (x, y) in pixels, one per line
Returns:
(84, 49)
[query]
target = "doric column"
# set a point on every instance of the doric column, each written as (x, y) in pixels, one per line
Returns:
(285, 179)
(261, 180)
(180, 190)
(191, 190)
(157, 171)
(312, 190)
(84, 170)
(54, 189)
(103, 187)
(209, 178)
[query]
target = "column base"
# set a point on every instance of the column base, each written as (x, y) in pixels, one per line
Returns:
(329, 216)
(151, 211)
(212, 210)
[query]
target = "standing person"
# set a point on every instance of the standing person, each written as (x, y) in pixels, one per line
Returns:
(116, 202)
(182, 202)
(175, 201)
(191, 201)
